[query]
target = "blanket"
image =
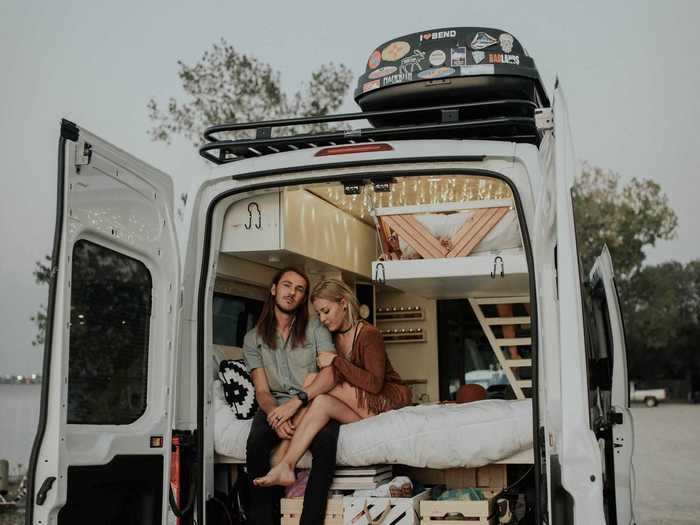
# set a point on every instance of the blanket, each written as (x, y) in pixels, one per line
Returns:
(434, 436)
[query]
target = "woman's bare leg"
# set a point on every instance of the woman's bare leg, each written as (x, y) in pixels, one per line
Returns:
(282, 448)
(322, 409)
(347, 393)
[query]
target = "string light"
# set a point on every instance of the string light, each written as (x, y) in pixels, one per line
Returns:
(433, 189)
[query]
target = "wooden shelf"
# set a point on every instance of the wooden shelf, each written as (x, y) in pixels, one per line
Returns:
(399, 313)
(404, 337)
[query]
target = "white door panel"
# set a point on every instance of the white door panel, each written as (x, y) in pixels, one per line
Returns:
(570, 441)
(109, 382)
(619, 421)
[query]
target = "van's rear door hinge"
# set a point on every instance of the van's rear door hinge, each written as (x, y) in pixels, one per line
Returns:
(544, 118)
(83, 153)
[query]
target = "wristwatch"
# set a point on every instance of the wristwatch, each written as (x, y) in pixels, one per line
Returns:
(303, 397)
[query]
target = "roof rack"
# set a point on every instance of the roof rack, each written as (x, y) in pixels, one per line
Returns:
(508, 119)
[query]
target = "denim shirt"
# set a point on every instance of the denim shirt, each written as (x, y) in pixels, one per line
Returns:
(286, 367)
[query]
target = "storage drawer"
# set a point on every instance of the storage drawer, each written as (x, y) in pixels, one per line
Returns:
(459, 512)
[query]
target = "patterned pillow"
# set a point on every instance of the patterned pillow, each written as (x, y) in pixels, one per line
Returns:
(238, 388)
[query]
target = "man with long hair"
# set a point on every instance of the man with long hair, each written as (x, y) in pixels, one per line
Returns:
(281, 352)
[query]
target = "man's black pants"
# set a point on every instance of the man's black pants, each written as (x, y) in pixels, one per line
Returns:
(265, 501)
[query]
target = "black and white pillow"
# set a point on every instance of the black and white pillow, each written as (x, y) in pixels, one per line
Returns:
(238, 388)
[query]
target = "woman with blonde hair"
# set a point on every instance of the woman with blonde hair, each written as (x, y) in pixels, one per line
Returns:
(366, 383)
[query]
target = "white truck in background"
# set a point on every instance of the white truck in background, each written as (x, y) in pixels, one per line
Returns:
(650, 397)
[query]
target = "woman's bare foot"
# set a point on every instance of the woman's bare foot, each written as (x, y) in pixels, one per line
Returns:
(281, 474)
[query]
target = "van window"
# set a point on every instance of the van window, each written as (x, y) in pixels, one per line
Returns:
(233, 317)
(601, 347)
(109, 335)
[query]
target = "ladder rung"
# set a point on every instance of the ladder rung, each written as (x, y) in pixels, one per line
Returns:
(507, 320)
(514, 341)
(518, 363)
(524, 383)
(503, 300)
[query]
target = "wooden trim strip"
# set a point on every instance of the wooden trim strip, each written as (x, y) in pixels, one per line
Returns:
(494, 215)
(415, 234)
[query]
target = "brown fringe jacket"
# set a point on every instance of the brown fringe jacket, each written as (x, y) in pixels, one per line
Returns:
(379, 387)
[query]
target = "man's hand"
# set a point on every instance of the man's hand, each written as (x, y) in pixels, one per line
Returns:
(283, 413)
(285, 430)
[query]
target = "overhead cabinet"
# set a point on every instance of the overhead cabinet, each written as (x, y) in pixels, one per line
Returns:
(292, 226)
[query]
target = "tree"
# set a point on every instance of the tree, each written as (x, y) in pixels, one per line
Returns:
(662, 313)
(627, 218)
(226, 86)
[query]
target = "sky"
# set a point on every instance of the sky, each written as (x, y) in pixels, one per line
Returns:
(629, 70)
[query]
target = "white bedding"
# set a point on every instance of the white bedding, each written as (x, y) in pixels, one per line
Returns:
(435, 436)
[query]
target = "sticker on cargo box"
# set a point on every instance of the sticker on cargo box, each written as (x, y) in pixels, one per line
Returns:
(458, 56)
(436, 72)
(374, 60)
(476, 69)
(382, 72)
(478, 56)
(395, 51)
(411, 63)
(369, 86)
(437, 35)
(437, 57)
(482, 40)
(506, 41)
(500, 58)
(394, 79)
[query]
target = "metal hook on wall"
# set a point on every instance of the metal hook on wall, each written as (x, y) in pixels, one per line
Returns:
(496, 260)
(250, 216)
(380, 279)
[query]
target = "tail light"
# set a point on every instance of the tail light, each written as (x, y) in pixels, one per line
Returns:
(354, 148)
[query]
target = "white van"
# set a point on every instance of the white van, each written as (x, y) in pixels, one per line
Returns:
(452, 218)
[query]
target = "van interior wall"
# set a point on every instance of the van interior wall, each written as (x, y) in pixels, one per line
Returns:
(416, 362)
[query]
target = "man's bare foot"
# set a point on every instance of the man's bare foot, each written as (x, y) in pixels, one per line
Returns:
(280, 474)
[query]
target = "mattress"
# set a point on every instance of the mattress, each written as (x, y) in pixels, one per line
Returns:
(435, 436)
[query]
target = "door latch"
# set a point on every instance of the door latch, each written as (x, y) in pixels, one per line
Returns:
(44, 489)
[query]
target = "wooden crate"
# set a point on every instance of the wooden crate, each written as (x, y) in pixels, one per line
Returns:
(382, 511)
(465, 512)
(492, 476)
(291, 511)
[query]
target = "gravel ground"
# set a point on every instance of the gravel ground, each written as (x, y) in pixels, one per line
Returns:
(667, 464)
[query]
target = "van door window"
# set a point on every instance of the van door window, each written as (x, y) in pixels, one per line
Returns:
(109, 333)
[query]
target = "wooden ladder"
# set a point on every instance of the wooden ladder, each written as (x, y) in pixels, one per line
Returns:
(498, 345)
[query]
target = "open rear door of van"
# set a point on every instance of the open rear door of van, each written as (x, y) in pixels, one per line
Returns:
(610, 389)
(573, 464)
(102, 449)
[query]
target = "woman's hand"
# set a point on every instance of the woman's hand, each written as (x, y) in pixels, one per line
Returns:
(285, 430)
(325, 359)
(283, 413)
